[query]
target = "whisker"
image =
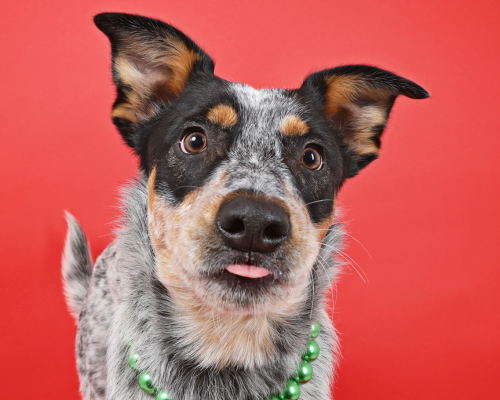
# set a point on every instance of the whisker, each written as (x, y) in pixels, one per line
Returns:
(181, 187)
(361, 244)
(318, 201)
(354, 264)
(322, 264)
(349, 260)
(312, 297)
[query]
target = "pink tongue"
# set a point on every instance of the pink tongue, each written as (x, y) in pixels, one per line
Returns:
(248, 271)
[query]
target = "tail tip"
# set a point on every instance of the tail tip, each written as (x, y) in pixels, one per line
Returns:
(76, 266)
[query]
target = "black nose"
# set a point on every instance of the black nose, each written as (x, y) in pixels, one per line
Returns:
(249, 224)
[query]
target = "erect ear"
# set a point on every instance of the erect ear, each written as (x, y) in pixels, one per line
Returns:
(357, 99)
(152, 64)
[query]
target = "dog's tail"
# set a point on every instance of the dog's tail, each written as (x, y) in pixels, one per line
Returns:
(76, 266)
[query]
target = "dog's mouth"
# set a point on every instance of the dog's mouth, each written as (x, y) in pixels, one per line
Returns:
(252, 268)
(247, 274)
(244, 285)
(248, 271)
(238, 281)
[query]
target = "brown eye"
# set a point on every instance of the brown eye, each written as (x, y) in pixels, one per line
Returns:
(311, 158)
(193, 143)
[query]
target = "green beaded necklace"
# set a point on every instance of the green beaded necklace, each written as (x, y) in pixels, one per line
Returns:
(290, 392)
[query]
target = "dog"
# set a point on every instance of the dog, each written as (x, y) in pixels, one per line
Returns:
(228, 238)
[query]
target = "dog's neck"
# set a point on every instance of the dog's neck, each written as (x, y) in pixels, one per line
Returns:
(188, 341)
(225, 338)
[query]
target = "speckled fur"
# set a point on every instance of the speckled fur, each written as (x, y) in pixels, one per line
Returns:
(126, 302)
(155, 290)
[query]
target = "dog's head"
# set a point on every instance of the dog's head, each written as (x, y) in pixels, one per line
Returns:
(242, 182)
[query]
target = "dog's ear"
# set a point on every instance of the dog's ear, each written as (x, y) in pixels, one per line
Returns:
(152, 64)
(357, 100)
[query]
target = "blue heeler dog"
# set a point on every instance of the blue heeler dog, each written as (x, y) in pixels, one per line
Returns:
(228, 237)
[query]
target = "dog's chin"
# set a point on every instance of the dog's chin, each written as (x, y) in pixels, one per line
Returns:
(229, 281)
(242, 289)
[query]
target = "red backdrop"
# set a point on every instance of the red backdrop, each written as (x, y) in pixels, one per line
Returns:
(425, 325)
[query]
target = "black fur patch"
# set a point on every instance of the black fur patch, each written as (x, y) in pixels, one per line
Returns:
(181, 172)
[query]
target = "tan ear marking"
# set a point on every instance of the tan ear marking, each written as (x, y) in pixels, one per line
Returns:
(223, 115)
(340, 90)
(356, 107)
(346, 89)
(180, 60)
(293, 125)
(153, 72)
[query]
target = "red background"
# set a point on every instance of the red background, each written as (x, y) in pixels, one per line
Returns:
(426, 323)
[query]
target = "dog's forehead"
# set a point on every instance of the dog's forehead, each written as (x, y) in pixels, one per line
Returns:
(257, 154)
(262, 112)
(267, 104)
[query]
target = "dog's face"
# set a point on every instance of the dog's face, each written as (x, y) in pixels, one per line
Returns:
(242, 192)
(242, 182)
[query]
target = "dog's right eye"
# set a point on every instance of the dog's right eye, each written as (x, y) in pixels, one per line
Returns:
(194, 142)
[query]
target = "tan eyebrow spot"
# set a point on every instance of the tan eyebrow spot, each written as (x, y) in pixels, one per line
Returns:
(223, 115)
(293, 125)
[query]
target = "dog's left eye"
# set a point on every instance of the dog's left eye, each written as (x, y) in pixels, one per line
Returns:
(194, 142)
(311, 158)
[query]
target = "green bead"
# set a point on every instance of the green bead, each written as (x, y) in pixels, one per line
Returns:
(146, 384)
(282, 397)
(161, 395)
(291, 391)
(312, 350)
(132, 360)
(315, 330)
(306, 357)
(274, 397)
(305, 372)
